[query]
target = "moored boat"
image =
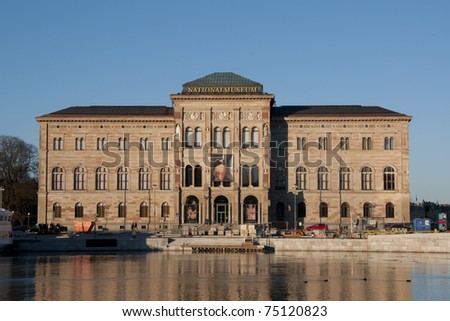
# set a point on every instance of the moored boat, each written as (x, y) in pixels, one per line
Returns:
(5, 229)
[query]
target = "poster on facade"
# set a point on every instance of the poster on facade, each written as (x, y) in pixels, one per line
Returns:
(222, 168)
(250, 213)
(191, 213)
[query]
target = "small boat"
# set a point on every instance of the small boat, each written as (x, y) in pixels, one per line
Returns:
(5, 229)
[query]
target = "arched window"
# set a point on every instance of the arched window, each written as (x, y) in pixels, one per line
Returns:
(165, 178)
(368, 210)
(390, 210)
(143, 209)
(189, 137)
(301, 210)
(122, 210)
(280, 211)
(301, 178)
(389, 143)
(245, 137)
(255, 137)
(217, 138)
(322, 176)
(79, 179)
(56, 210)
(101, 143)
(389, 179)
(366, 179)
(123, 143)
(344, 178)
(226, 137)
(143, 143)
(78, 210)
(367, 143)
(188, 176)
(323, 143)
(250, 209)
(57, 179)
(301, 143)
(280, 178)
(345, 143)
(165, 143)
(345, 210)
(198, 137)
(101, 210)
(198, 176)
(165, 210)
(144, 179)
(100, 179)
(57, 143)
(255, 176)
(122, 178)
(191, 208)
(245, 176)
(323, 211)
(79, 143)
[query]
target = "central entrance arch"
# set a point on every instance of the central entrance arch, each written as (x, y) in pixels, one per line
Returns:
(221, 210)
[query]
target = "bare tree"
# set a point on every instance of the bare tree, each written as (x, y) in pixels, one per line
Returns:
(18, 176)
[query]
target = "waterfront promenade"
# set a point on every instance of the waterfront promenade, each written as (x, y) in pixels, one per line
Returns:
(406, 243)
(402, 243)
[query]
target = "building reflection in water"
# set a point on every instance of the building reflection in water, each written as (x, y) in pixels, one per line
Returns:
(298, 276)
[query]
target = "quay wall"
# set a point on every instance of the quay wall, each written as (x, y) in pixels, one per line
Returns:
(410, 243)
(78, 243)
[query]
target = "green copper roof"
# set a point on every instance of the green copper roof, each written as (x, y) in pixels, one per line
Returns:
(222, 83)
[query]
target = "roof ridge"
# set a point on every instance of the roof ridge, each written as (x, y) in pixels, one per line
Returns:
(221, 78)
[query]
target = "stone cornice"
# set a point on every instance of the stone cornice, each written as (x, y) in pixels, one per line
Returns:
(343, 118)
(180, 97)
(105, 119)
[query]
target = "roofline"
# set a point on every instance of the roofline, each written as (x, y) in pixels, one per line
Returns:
(341, 117)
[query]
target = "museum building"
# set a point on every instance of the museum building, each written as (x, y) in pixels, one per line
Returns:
(223, 157)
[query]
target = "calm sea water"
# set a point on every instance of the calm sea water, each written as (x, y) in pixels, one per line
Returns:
(299, 276)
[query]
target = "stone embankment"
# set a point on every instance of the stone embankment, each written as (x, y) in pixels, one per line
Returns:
(89, 242)
(412, 243)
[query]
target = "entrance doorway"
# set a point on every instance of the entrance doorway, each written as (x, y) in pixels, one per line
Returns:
(221, 210)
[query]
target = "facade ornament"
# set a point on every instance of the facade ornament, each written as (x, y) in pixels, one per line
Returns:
(177, 132)
(266, 130)
(222, 115)
(194, 115)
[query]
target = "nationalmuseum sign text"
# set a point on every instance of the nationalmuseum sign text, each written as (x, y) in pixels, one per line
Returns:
(223, 90)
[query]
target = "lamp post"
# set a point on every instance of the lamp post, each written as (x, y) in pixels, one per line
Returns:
(1, 196)
(295, 207)
(148, 207)
(125, 206)
(320, 200)
(28, 214)
(154, 205)
(206, 215)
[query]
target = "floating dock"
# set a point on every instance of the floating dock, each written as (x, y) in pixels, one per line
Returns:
(246, 247)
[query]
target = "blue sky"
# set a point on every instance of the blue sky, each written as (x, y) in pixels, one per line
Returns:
(394, 54)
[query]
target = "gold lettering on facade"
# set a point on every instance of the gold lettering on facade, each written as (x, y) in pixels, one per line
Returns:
(222, 90)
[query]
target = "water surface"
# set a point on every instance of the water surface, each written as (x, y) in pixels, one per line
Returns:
(163, 276)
